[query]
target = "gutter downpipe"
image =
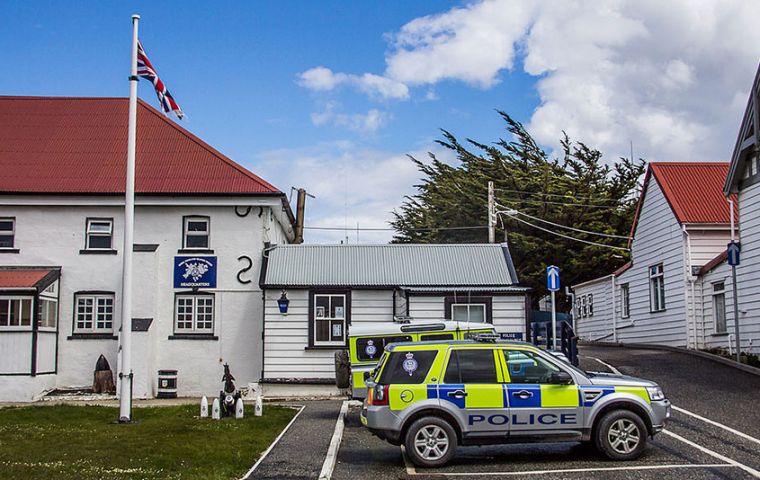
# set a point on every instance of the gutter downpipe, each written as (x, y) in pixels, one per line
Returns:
(614, 318)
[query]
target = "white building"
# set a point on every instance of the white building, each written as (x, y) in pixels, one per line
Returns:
(674, 291)
(743, 180)
(201, 224)
(330, 288)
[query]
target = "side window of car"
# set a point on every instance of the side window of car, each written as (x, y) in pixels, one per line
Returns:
(371, 348)
(471, 366)
(407, 367)
(527, 367)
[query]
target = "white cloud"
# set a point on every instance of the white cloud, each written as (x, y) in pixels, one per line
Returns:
(351, 184)
(323, 79)
(366, 123)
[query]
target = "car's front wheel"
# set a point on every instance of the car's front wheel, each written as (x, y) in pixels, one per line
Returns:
(621, 435)
(430, 442)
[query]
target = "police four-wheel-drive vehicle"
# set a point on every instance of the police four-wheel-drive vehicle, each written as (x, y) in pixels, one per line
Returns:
(367, 342)
(432, 396)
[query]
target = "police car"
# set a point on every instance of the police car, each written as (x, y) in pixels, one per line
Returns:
(433, 396)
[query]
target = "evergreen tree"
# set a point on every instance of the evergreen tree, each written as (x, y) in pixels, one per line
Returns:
(577, 190)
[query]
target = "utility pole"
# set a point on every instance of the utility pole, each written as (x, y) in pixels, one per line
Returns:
(300, 212)
(491, 214)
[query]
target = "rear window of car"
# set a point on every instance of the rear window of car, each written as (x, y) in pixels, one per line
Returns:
(407, 367)
(371, 348)
(436, 337)
(471, 366)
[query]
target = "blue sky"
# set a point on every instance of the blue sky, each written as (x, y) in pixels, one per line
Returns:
(332, 95)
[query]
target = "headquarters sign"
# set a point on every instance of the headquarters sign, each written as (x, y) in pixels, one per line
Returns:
(194, 272)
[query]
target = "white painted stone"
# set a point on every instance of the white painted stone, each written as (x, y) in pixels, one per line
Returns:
(204, 407)
(239, 408)
(215, 410)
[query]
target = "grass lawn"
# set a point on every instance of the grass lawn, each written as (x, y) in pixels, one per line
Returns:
(80, 442)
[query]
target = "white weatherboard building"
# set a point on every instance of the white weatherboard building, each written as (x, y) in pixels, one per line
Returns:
(201, 225)
(676, 289)
(330, 288)
(743, 180)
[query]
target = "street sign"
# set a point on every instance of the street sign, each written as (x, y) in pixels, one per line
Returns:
(733, 253)
(552, 278)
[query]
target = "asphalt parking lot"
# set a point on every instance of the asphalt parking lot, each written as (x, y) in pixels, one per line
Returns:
(715, 432)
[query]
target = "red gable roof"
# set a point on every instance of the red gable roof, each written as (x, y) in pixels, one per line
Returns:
(79, 145)
(694, 190)
(27, 278)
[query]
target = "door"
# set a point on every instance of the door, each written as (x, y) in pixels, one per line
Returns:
(472, 383)
(536, 406)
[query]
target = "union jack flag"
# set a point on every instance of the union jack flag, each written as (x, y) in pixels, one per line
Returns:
(145, 70)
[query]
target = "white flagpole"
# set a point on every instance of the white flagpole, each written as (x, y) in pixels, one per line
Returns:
(125, 399)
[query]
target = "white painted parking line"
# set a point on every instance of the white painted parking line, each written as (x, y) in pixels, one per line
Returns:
(269, 449)
(332, 451)
(579, 470)
(410, 470)
(714, 454)
(716, 424)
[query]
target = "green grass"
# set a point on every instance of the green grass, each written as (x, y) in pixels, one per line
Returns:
(80, 442)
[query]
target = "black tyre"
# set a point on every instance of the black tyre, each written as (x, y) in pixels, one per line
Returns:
(430, 442)
(342, 369)
(621, 435)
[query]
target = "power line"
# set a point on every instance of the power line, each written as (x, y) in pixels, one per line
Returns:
(608, 235)
(528, 200)
(561, 195)
(380, 229)
(566, 236)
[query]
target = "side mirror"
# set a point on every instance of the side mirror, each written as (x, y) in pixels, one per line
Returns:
(560, 378)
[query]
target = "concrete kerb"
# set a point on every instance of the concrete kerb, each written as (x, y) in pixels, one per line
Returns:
(708, 356)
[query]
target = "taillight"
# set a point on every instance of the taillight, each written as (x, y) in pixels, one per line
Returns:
(378, 395)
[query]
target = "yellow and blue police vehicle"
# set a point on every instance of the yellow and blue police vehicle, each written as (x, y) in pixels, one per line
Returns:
(432, 396)
(367, 342)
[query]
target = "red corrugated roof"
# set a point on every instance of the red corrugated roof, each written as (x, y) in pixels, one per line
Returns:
(622, 269)
(694, 190)
(713, 263)
(23, 278)
(79, 145)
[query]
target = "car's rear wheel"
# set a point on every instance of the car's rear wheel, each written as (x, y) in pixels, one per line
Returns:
(621, 435)
(430, 442)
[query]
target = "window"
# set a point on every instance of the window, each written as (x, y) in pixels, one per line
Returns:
(15, 312)
(468, 312)
(407, 367)
(436, 337)
(656, 288)
(625, 300)
(471, 366)
(196, 233)
(93, 313)
(7, 232)
(194, 314)
(99, 234)
(590, 304)
(584, 309)
(329, 319)
(719, 307)
(527, 367)
(48, 313)
(371, 348)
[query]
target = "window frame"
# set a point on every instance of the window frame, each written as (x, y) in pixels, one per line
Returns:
(185, 232)
(469, 305)
(194, 330)
(625, 300)
(12, 232)
(21, 299)
(87, 233)
(95, 296)
(656, 303)
(313, 343)
(590, 304)
(716, 294)
(464, 299)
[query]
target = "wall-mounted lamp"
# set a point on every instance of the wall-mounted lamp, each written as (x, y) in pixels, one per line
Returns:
(283, 303)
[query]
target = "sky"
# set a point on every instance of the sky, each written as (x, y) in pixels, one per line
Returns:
(333, 96)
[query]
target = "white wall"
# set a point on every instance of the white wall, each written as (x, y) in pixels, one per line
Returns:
(599, 325)
(54, 235)
(748, 272)
(722, 273)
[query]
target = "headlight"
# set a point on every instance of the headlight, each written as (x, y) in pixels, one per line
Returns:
(655, 393)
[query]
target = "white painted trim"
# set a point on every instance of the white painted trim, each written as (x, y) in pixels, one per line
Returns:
(332, 452)
(141, 200)
(271, 446)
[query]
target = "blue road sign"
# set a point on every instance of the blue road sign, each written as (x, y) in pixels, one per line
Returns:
(733, 253)
(552, 278)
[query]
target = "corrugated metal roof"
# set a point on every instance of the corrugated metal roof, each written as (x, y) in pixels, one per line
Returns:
(694, 190)
(79, 145)
(18, 278)
(470, 288)
(389, 265)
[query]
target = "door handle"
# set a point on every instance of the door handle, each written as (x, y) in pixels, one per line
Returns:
(458, 394)
(523, 394)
